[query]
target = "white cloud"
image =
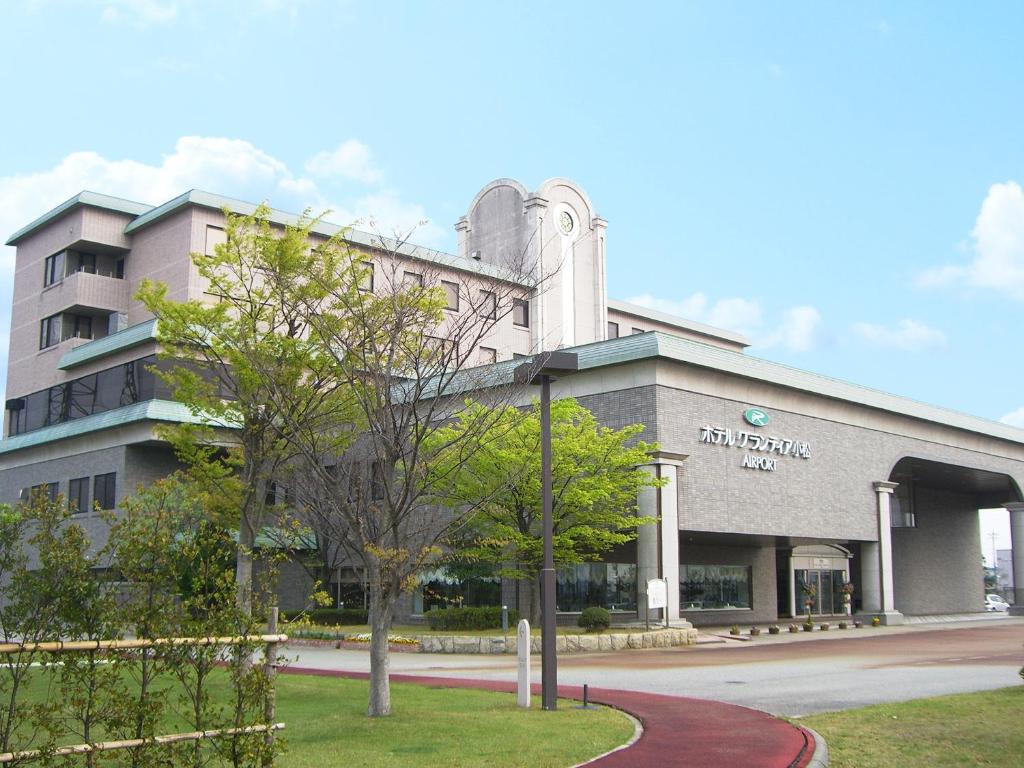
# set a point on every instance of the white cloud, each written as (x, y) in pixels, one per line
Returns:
(351, 160)
(1014, 418)
(798, 331)
(997, 246)
(908, 335)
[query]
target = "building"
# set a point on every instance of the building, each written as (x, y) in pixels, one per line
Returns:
(782, 485)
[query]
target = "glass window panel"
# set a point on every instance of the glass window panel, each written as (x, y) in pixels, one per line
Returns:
(613, 330)
(521, 313)
(451, 292)
(703, 587)
(104, 490)
(78, 494)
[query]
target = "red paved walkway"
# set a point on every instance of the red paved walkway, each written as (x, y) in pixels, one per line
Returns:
(677, 731)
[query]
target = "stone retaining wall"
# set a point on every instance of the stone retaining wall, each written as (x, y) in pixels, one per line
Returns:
(608, 641)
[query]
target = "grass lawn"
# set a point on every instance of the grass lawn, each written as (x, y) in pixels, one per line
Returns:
(970, 729)
(327, 726)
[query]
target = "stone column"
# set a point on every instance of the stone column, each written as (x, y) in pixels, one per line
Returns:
(1016, 511)
(670, 537)
(888, 613)
(647, 541)
(646, 548)
(870, 583)
(791, 590)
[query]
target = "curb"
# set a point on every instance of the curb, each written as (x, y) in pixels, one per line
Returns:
(819, 758)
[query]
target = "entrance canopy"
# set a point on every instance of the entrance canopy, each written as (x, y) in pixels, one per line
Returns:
(991, 489)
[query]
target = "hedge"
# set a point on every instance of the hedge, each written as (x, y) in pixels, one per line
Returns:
(488, 617)
(331, 617)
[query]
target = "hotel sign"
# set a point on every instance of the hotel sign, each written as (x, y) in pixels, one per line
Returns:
(764, 451)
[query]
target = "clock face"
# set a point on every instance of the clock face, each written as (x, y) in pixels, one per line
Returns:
(565, 222)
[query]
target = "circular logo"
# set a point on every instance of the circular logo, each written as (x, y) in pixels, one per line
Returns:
(756, 417)
(565, 222)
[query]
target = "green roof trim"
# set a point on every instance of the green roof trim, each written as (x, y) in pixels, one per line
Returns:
(134, 335)
(84, 198)
(198, 197)
(149, 410)
(654, 344)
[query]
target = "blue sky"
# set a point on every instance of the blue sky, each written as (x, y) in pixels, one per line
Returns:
(839, 181)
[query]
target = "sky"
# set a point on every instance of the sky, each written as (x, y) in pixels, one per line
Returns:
(839, 181)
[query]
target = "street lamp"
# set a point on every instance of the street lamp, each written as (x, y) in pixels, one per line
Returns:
(542, 370)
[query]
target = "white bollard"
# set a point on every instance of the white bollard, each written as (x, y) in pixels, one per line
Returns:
(523, 645)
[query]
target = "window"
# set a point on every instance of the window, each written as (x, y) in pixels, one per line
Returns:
(708, 587)
(488, 305)
(613, 330)
(366, 282)
(49, 331)
(53, 269)
(104, 490)
(377, 481)
(451, 292)
(45, 490)
(488, 355)
(119, 269)
(78, 495)
(82, 262)
(637, 330)
(521, 313)
(81, 327)
(412, 279)
(610, 585)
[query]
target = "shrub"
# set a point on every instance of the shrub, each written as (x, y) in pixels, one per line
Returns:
(808, 626)
(330, 617)
(734, 629)
(595, 619)
(773, 629)
(487, 617)
(876, 621)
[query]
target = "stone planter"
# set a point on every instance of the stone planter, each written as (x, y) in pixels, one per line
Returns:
(773, 630)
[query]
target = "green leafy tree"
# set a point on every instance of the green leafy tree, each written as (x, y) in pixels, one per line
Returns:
(406, 363)
(234, 352)
(596, 475)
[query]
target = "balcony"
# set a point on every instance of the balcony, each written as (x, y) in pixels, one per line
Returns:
(86, 291)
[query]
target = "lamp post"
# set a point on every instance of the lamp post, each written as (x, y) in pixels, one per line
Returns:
(542, 370)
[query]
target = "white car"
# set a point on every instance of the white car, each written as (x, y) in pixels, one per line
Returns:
(996, 603)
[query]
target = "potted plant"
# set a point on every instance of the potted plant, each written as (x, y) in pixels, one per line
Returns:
(773, 629)
(809, 592)
(843, 625)
(808, 625)
(824, 626)
(794, 627)
(755, 631)
(876, 621)
(847, 590)
(734, 629)
(857, 623)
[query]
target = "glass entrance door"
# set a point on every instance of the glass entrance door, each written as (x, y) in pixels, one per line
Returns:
(817, 587)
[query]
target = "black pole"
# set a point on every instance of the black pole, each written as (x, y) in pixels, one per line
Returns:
(549, 664)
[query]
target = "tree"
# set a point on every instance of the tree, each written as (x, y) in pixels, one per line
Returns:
(376, 496)
(234, 350)
(596, 474)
